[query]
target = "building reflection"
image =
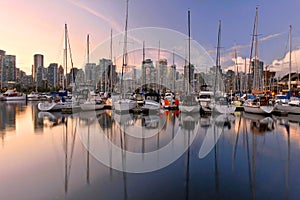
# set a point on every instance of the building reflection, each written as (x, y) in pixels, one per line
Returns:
(8, 113)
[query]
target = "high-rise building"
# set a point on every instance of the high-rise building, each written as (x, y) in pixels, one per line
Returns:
(9, 69)
(189, 76)
(149, 74)
(102, 73)
(90, 73)
(162, 72)
(38, 62)
(171, 77)
(52, 76)
(61, 77)
(2, 54)
(255, 80)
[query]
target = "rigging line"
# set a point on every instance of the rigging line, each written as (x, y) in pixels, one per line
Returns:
(73, 75)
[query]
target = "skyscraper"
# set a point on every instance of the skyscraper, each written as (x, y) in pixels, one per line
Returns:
(52, 75)
(9, 69)
(2, 54)
(38, 62)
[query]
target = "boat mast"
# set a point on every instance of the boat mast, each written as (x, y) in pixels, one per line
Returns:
(66, 57)
(218, 63)
(251, 52)
(256, 77)
(290, 58)
(237, 89)
(124, 49)
(189, 51)
(111, 64)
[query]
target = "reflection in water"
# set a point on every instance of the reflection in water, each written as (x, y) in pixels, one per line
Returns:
(8, 113)
(241, 156)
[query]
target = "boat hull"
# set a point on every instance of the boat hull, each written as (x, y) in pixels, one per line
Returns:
(124, 105)
(289, 109)
(224, 109)
(91, 106)
(16, 98)
(263, 110)
(151, 105)
(189, 108)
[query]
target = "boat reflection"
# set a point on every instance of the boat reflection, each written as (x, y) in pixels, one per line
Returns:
(259, 123)
(217, 125)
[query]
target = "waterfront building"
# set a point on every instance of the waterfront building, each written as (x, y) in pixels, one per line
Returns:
(268, 80)
(90, 73)
(255, 79)
(61, 77)
(161, 67)
(189, 74)
(229, 81)
(41, 78)
(2, 54)
(9, 70)
(149, 75)
(52, 75)
(284, 82)
(171, 77)
(102, 73)
(38, 61)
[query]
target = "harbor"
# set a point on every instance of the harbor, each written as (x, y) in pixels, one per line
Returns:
(161, 100)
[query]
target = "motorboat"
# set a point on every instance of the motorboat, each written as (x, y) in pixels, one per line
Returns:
(204, 99)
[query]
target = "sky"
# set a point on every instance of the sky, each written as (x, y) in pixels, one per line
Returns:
(34, 26)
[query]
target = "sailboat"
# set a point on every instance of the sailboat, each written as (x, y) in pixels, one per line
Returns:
(124, 104)
(259, 104)
(92, 103)
(220, 105)
(189, 102)
(291, 106)
(60, 104)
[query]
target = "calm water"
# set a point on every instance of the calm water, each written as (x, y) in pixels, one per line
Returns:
(45, 156)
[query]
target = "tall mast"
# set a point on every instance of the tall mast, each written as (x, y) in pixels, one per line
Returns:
(290, 58)
(189, 51)
(88, 48)
(125, 47)
(218, 63)
(111, 64)
(173, 72)
(251, 51)
(66, 56)
(237, 72)
(144, 52)
(256, 73)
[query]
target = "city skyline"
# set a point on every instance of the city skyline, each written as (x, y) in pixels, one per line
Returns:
(34, 27)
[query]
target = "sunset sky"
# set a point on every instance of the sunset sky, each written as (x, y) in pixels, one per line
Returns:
(35, 26)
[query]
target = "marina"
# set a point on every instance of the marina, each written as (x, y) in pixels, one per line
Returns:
(173, 100)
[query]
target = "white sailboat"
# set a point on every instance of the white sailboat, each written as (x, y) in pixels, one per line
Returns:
(220, 105)
(59, 104)
(292, 106)
(189, 103)
(12, 95)
(259, 104)
(124, 104)
(93, 102)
